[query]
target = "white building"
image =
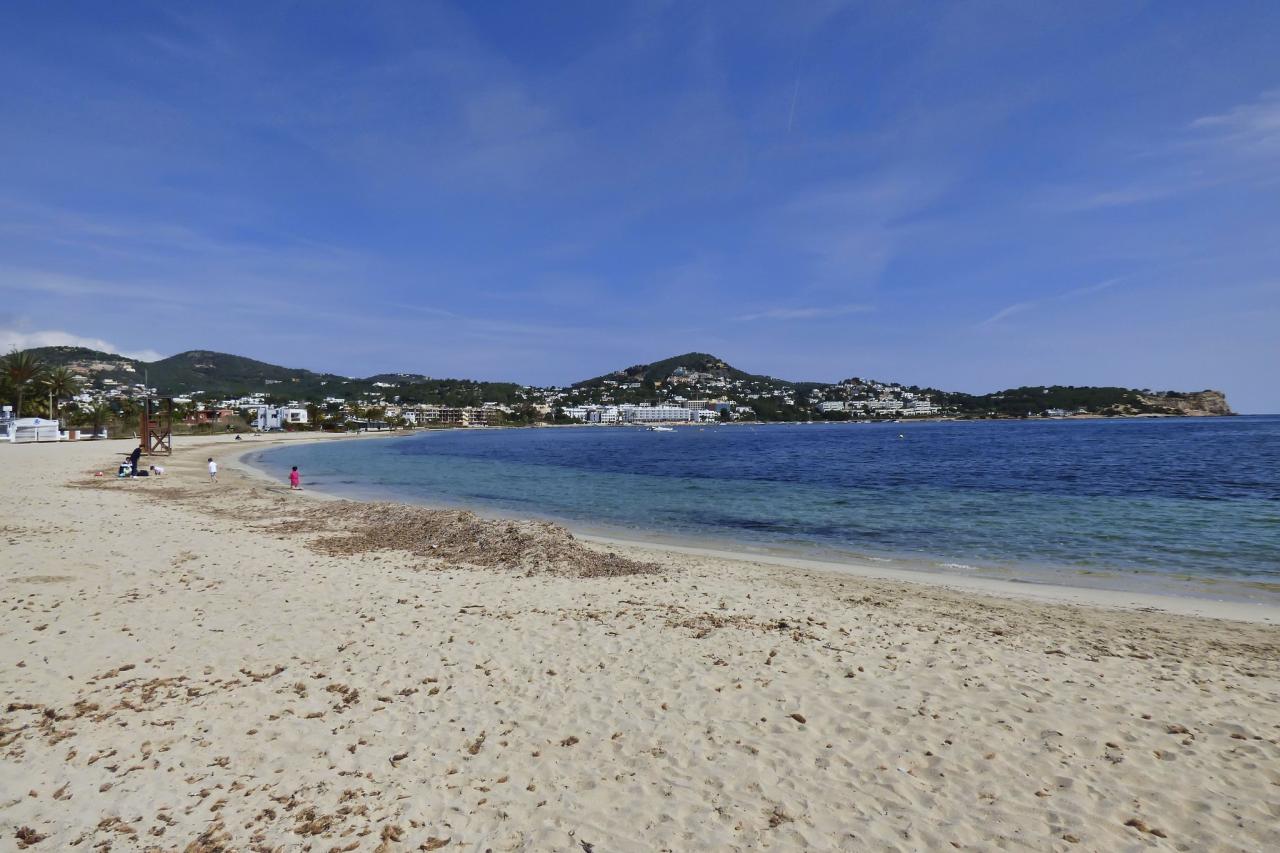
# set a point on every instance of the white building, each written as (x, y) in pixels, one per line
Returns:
(716, 406)
(832, 406)
(921, 408)
(593, 413)
(663, 413)
(24, 430)
(655, 414)
(277, 417)
(882, 405)
(248, 402)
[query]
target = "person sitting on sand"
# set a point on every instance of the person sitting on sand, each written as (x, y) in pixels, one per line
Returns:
(213, 470)
(295, 480)
(157, 470)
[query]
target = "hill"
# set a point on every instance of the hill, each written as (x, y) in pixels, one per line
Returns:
(661, 371)
(184, 373)
(693, 375)
(92, 363)
(220, 373)
(216, 374)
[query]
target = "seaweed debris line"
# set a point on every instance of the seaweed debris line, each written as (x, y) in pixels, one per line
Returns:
(534, 547)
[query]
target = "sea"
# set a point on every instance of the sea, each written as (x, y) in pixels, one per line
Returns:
(1187, 506)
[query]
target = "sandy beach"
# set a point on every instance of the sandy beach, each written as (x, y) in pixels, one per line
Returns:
(232, 666)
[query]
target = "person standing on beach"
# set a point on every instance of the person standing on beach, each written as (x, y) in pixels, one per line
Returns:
(134, 457)
(295, 479)
(213, 470)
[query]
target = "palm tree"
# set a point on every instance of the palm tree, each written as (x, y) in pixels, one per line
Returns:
(99, 414)
(61, 384)
(23, 371)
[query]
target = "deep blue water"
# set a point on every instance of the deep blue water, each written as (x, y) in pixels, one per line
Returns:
(1136, 498)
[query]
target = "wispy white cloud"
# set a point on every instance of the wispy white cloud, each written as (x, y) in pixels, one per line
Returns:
(11, 339)
(812, 313)
(16, 279)
(851, 232)
(1238, 145)
(1089, 289)
(1247, 129)
(149, 241)
(1073, 202)
(1007, 312)
(1029, 304)
(495, 328)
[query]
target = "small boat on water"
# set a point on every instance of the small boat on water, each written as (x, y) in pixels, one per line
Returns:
(661, 429)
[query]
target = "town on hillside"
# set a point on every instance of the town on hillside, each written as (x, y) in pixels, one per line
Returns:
(215, 392)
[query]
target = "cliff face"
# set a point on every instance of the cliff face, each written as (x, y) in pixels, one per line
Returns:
(1192, 403)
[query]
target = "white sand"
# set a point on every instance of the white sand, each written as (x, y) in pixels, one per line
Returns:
(196, 671)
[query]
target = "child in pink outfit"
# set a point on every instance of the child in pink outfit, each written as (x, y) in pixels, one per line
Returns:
(294, 479)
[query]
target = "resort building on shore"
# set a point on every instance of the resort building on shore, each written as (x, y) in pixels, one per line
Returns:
(640, 414)
(591, 414)
(278, 417)
(662, 414)
(898, 408)
(434, 415)
(708, 405)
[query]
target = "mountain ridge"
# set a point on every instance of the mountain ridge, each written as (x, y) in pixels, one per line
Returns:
(218, 374)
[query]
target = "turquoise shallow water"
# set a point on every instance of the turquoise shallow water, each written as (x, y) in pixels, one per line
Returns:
(1187, 505)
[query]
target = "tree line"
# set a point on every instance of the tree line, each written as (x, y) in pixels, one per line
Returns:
(32, 387)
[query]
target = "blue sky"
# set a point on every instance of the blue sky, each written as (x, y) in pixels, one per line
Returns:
(965, 195)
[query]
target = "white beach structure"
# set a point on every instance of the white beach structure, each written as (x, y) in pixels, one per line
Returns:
(29, 430)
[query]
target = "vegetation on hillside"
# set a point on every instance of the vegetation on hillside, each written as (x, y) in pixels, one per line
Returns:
(23, 372)
(214, 375)
(220, 375)
(691, 362)
(1032, 400)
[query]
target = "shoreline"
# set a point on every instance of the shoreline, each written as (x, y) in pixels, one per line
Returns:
(191, 665)
(1190, 604)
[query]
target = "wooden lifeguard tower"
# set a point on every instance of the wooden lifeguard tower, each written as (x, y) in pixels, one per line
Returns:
(155, 428)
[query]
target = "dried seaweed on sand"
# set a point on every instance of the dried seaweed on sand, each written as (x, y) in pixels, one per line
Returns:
(535, 547)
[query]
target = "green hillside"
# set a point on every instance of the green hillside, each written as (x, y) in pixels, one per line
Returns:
(1020, 401)
(218, 375)
(661, 371)
(222, 373)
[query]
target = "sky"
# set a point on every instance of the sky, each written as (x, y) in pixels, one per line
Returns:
(968, 195)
